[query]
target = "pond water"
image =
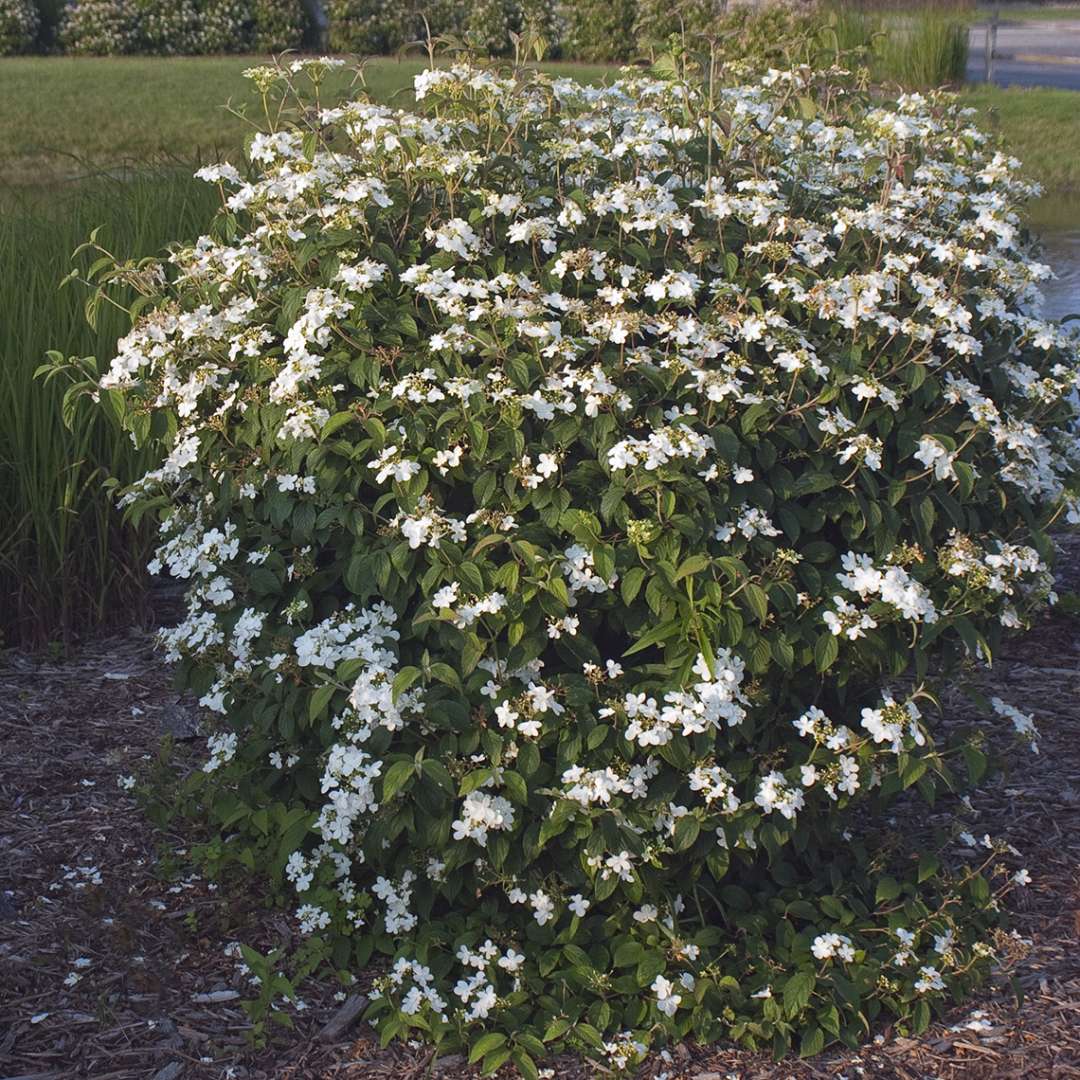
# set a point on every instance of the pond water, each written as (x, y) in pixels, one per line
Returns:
(1057, 221)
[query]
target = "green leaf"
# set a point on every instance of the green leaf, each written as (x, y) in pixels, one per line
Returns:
(649, 966)
(611, 501)
(469, 575)
(976, 763)
(557, 1028)
(485, 1045)
(375, 429)
(757, 600)
(438, 772)
(396, 777)
(797, 991)
(654, 636)
(472, 780)
(525, 1064)
(813, 1042)
(631, 584)
(692, 565)
(888, 888)
(337, 421)
(446, 674)
(920, 1017)
(471, 652)
(980, 890)
(687, 829)
(812, 483)
(826, 650)
(403, 680)
(924, 511)
(320, 698)
(515, 786)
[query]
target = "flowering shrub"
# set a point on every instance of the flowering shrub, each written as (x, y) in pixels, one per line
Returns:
(576, 489)
(758, 36)
(377, 27)
(600, 30)
(18, 26)
(369, 27)
(493, 25)
(108, 27)
(224, 26)
(490, 24)
(98, 28)
(278, 25)
(169, 27)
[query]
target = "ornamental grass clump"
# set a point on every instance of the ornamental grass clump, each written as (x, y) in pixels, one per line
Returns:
(578, 492)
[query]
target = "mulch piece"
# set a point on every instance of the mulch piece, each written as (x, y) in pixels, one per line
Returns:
(114, 958)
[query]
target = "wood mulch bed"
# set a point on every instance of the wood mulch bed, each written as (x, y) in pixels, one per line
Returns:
(114, 958)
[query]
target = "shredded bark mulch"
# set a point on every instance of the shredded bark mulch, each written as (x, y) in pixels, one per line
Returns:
(116, 960)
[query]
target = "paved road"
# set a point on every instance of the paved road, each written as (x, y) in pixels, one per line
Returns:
(1030, 54)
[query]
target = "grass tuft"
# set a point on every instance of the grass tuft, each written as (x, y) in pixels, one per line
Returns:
(65, 565)
(922, 45)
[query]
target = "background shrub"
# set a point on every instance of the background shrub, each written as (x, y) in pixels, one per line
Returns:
(443, 17)
(655, 21)
(168, 27)
(278, 25)
(491, 23)
(367, 27)
(99, 28)
(752, 37)
(185, 27)
(225, 26)
(600, 30)
(18, 26)
(578, 492)
(375, 27)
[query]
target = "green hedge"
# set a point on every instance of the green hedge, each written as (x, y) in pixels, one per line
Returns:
(18, 26)
(186, 27)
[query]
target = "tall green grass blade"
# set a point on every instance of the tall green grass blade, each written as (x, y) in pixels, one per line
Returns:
(66, 561)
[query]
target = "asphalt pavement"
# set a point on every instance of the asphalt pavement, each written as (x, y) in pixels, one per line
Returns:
(1029, 54)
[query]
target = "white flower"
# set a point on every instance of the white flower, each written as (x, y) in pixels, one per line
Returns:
(578, 905)
(543, 907)
(826, 946)
(929, 979)
(667, 1001)
(447, 596)
(481, 812)
(934, 456)
(512, 961)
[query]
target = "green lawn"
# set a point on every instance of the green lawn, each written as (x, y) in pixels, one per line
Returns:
(61, 115)
(1041, 127)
